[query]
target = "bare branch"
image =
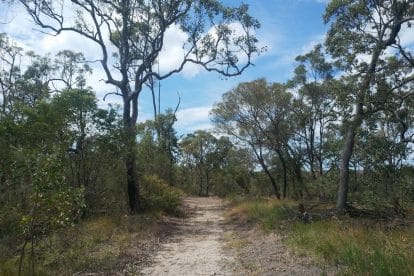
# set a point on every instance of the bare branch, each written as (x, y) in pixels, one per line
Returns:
(111, 93)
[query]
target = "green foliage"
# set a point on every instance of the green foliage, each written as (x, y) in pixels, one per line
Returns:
(50, 145)
(206, 159)
(324, 187)
(256, 115)
(376, 262)
(56, 203)
(158, 147)
(157, 195)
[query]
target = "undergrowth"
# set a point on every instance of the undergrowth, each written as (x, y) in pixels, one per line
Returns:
(354, 246)
(96, 244)
(157, 195)
(268, 213)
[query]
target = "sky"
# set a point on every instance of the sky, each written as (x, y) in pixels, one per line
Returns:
(288, 28)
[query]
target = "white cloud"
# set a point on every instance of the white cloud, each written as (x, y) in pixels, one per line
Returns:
(288, 58)
(406, 36)
(173, 53)
(194, 118)
(97, 82)
(68, 40)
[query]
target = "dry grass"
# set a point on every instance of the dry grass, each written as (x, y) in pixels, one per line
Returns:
(100, 244)
(354, 246)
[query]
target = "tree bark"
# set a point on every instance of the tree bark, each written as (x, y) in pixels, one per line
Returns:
(283, 161)
(132, 181)
(207, 182)
(345, 159)
(272, 179)
(349, 142)
(200, 175)
(312, 150)
(266, 170)
(130, 159)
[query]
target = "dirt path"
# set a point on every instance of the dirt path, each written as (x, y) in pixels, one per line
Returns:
(204, 243)
(196, 246)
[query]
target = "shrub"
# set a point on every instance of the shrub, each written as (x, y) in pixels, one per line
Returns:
(157, 195)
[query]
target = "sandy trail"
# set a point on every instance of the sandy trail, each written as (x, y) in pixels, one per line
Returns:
(196, 247)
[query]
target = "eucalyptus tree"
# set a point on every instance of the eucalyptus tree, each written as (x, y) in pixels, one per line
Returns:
(314, 107)
(158, 146)
(361, 36)
(10, 56)
(130, 34)
(40, 77)
(387, 135)
(256, 115)
(79, 107)
(202, 149)
(72, 69)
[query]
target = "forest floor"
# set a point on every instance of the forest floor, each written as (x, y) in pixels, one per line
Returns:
(206, 242)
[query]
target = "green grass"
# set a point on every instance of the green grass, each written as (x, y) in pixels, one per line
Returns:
(97, 244)
(355, 246)
(268, 213)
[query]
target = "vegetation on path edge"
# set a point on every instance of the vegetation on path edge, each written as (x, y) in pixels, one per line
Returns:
(355, 246)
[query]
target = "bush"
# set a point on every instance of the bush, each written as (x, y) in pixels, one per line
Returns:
(157, 195)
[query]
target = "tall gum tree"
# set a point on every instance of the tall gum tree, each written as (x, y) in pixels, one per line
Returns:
(10, 55)
(131, 34)
(314, 106)
(363, 33)
(256, 114)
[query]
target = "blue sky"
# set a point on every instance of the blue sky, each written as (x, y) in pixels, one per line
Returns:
(289, 28)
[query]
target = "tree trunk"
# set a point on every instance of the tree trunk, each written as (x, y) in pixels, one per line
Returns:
(312, 151)
(271, 178)
(200, 190)
(283, 161)
(354, 125)
(382, 44)
(207, 183)
(345, 158)
(130, 160)
(132, 180)
(298, 174)
(320, 151)
(259, 156)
